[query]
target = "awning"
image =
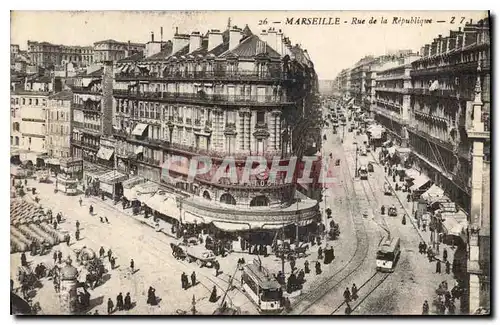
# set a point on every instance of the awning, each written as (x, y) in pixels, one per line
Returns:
(139, 129)
(140, 192)
(139, 150)
(112, 177)
(419, 182)
(165, 203)
(105, 153)
(432, 193)
(193, 219)
(232, 227)
(455, 223)
(131, 182)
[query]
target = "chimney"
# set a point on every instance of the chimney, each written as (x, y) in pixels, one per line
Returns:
(263, 36)
(279, 42)
(234, 37)
(152, 37)
(194, 41)
(179, 42)
(272, 37)
(214, 39)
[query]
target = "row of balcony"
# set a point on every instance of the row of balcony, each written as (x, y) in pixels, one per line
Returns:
(86, 108)
(88, 127)
(399, 76)
(392, 90)
(192, 150)
(85, 90)
(450, 68)
(423, 134)
(247, 75)
(85, 145)
(390, 103)
(447, 93)
(203, 98)
(425, 115)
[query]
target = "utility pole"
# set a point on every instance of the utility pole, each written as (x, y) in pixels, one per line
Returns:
(356, 170)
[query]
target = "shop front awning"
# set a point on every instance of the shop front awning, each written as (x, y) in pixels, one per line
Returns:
(193, 219)
(112, 177)
(164, 203)
(105, 153)
(432, 193)
(455, 223)
(131, 182)
(419, 182)
(231, 227)
(139, 129)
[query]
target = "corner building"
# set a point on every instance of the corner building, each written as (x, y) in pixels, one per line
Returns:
(223, 94)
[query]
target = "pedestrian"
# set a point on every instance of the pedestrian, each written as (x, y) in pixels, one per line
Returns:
(354, 291)
(128, 302)
(306, 267)
(347, 295)
(216, 267)
(112, 262)
(193, 279)
(23, 259)
(54, 256)
(67, 238)
(394, 178)
(102, 220)
(77, 235)
(55, 224)
(447, 267)
(111, 306)
(408, 197)
(77, 225)
(106, 218)
(213, 295)
(183, 281)
(101, 252)
(403, 222)
(150, 296)
(119, 302)
(382, 210)
(438, 266)
(445, 254)
(425, 308)
(91, 209)
(59, 217)
(451, 308)
(320, 253)
(96, 313)
(132, 265)
(110, 253)
(420, 246)
(292, 264)
(59, 257)
(418, 223)
(80, 200)
(318, 268)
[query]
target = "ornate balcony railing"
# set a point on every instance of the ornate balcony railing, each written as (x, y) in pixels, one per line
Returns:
(448, 67)
(93, 128)
(85, 145)
(392, 90)
(265, 100)
(197, 122)
(189, 121)
(247, 75)
(261, 125)
(86, 108)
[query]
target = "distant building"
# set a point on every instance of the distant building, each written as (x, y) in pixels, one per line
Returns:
(58, 142)
(46, 54)
(111, 50)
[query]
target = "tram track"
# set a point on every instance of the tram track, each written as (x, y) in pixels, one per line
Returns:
(358, 258)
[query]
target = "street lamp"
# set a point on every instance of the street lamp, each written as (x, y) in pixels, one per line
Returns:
(356, 174)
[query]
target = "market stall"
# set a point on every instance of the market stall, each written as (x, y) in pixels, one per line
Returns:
(111, 183)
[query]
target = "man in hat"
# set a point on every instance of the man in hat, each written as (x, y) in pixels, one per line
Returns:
(128, 302)
(111, 306)
(438, 266)
(119, 301)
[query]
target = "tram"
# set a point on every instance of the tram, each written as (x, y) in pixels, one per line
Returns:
(388, 254)
(262, 288)
(363, 172)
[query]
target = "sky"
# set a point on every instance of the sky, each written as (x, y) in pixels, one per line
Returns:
(331, 47)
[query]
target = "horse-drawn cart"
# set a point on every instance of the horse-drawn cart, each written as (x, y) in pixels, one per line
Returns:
(193, 253)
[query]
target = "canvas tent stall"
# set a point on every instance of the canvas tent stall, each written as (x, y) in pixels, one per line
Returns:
(110, 182)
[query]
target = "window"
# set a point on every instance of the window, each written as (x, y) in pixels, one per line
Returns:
(30, 102)
(24, 101)
(36, 102)
(259, 201)
(231, 117)
(11, 140)
(261, 117)
(227, 199)
(16, 141)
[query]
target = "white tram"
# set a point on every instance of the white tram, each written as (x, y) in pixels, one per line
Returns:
(262, 288)
(388, 254)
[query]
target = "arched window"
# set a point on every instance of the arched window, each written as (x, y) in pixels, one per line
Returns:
(227, 199)
(259, 201)
(16, 141)
(206, 195)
